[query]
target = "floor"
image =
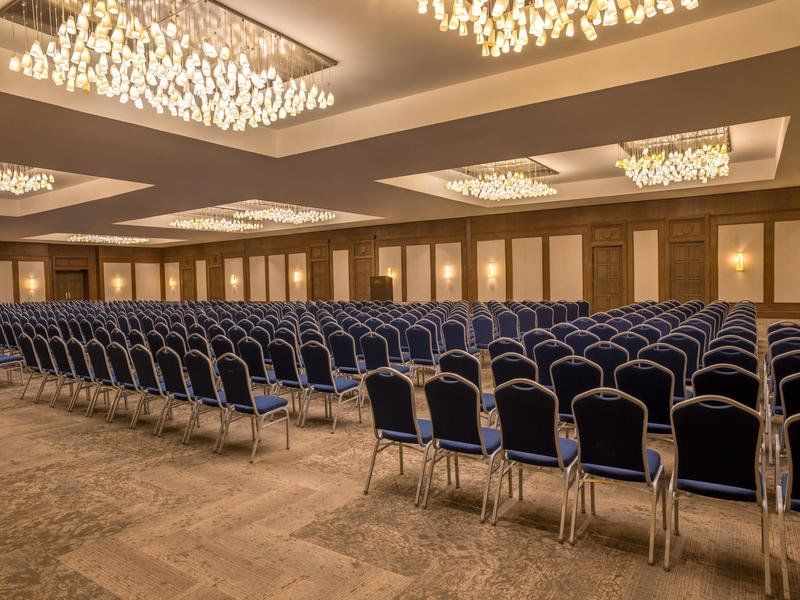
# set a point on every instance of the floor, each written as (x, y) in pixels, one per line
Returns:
(95, 510)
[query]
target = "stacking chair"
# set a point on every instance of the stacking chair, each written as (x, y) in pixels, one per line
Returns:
(572, 376)
(787, 492)
(455, 407)
(673, 359)
(728, 381)
(528, 417)
(561, 330)
(689, 346)
(508, 325)
(199, 343)
(391, 334)
(150, 384)
(790, 395)
(46, 363)
(467, 366)
(205, 396)
(537, 336)
(545, 317)
(317, 361)
(102, 376)
(176, 393)
(60, 354)
(483, 329)
(650, 333)
(287, 375)
(583, 323)
(81, 371)
(580, 340)
(155, 341)
(718, 455)
(122, 375)
(394, 420)
(251, 352)
(345, 355)
(513, 366)
(652, 384)
(31, 362)
(421, 353)
(608, 356)
(240, 403)
(611, 428)
(732, 340)
(376, 354)
(221, 345)
(603, 331)
(455, 337)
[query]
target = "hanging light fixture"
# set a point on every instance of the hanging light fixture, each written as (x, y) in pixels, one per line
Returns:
(195, 59)
(19, 179)
(694, 156)
(500, 26)
(505, 180)
(114, 240)
(214, 219)
(287, 214)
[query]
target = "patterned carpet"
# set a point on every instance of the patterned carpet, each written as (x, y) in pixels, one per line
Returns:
(95, 510)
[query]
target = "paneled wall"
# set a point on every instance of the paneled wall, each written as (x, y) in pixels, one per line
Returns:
(148, 281)
(679, 247)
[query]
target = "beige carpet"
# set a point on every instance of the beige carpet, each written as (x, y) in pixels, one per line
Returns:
(94, 510)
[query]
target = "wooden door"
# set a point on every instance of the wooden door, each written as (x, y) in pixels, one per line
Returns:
(687, 271)
(70, 285)
(607, 270)
(320, 267)
(363, 267)
(216, 284)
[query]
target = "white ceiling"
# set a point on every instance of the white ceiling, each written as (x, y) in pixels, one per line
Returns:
(412, 100)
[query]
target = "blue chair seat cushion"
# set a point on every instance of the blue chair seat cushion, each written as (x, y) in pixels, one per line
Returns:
(264, 404)
(487, 402)
(794, 504)
(292, 383)
(491, 440)
(566, 418)
(569, 452)
(359, 369)
(425, 432)
(621, 474)
(427, 361)
(474, 350)
(212, 402)
(659, 428)
(404, 358)
(270, 378)
(716, 490)
(340, 385)
(10, 358)
(401, 368)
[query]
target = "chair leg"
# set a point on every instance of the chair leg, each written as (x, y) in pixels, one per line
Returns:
(74, 398)
(92, 401)
(520, 484)
(137, 411)
(564, 502)
(372, 465)
(286, 426)
(488, 485)
(653, 518)
(59, 384)
(25, 389)
(220, 430)
(456, 470)
(400, 456)
(578, 489)
(765, 541)
(193, 418)
(783, 550)
(163, 418)
(672, 523)
(430, 478)
(591, 498)
(422, 472)
(500, 488)
(257, 437)
(225, 430)
(45, 379)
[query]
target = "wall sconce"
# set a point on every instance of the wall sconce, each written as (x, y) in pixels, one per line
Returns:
(447, 272)
(740, 261)
(390, 272)
(117, 283)
(491, 270)
(234, 281)
(297, 276)
(172, 283)
(31, 284)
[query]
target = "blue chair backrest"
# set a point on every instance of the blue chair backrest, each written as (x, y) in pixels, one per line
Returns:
(608, 356)
(60, 355)
(513, 366)
(391, 397)
(42, 349)
(454, 406)
(98, 360)
(221, 345)
(545, 354)
(284, 360)
(571, 376)
(728, 381)
(169, 362)
(545, 318)
(201, 376)
(343, 347)
(77, 354)
(717, 440)
(620, 324)
(671, 358)
(603, 331)
(790, 395)
(791, 437)
(235, 381)
(527, 319)
(455, 335)
(199, 343)
(528, 416)
(611, 428)
(650, 333)
(252, 354)
(376, 351)
(559, 312)
(463, 364)
(483, 328)
(732, 340)
(419, 343)
(120, 364)
(580, 340)
(650, 383)
(584, 323)
(508, 325)
(562, 330)
(784, 366)
(356, 331)
(317, 362)
(536, 336)
(176, 343)
(392, 336)
(689, 346)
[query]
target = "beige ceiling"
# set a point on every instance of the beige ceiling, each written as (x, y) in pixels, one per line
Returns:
(413, 100)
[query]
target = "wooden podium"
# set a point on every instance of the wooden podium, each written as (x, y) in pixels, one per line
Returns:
(381, 288)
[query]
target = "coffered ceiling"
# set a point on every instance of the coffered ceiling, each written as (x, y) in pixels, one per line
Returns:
(412, 104)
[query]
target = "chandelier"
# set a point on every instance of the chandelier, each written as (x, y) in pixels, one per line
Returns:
(214, 219)
(116, 240)
(698, 155)
(288, 214)
(505, 180)
(19, 179)
(195, 59)
(500, 26)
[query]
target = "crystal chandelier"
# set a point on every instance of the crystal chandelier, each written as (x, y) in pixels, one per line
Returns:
(115, 240)
(195, 59)
(214, 219)
(506, 180)
(500, 26)
(288, 214)
(694, 156)
(19, 179)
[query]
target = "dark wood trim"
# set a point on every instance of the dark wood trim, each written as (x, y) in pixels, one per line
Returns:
(545, 268)
(509, 268)
(432, 253)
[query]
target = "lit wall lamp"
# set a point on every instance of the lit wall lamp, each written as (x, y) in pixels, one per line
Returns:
(297, 276)
(491, 272)
(390, 272)
(117, 283)
(234, 281)
(447, 272)
(173, 284)
(740, 261)
(31, 284)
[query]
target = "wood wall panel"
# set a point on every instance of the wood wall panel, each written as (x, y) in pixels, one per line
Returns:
(678, 220)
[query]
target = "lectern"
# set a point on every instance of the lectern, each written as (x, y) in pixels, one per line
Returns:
(380, 288)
